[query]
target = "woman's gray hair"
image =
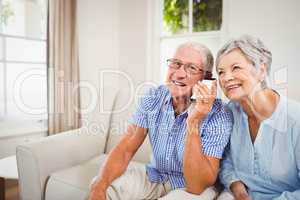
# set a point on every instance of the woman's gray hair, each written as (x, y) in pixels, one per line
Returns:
(207, 57)
(253, 49)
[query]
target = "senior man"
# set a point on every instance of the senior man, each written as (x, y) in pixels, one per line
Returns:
(187, 141)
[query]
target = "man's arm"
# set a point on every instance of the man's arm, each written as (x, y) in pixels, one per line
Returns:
(200, 171)
(118, 160)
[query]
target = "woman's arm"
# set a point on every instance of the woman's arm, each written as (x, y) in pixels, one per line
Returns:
(229, 178)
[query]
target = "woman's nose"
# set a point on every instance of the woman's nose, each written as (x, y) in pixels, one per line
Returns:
(227, 76)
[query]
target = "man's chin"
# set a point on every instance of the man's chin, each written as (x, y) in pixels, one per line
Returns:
(177, 91)
(177, 94)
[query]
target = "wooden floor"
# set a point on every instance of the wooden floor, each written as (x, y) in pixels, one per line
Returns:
(11, 190)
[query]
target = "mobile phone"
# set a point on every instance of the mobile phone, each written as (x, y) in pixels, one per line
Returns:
(208, 82)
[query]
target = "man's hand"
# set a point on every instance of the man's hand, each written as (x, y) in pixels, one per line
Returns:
(204, 101)
(117, 161)
(239, 191)
(200, 171)
(97, 193)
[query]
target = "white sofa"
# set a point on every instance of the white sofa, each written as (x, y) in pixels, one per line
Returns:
(61, 167)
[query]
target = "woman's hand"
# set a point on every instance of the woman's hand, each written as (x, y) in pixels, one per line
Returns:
(239, 191)
(204, 101)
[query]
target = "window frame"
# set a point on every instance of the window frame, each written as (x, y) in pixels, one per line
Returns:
(190, 24)
(190, 35)
(4, 61)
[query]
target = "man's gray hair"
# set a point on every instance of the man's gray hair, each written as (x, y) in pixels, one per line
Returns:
(207, 57)
(253, 49)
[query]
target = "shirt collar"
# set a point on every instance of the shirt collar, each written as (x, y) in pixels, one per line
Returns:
(168, 101)
(168, 98)
(279, 118)
(277, 121)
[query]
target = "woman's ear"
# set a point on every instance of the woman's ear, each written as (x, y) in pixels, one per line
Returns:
(263, 72)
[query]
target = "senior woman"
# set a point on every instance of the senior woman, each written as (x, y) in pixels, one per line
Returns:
(263, 158)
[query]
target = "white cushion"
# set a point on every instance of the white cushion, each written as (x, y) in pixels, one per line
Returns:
(122, 112)
(73, 183)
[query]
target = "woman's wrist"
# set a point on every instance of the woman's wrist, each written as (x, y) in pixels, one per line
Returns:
(238, 188)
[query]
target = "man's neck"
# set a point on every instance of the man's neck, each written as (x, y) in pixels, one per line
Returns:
(180, 104)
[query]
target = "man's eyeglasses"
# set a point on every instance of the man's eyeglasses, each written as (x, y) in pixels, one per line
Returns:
(189, 68)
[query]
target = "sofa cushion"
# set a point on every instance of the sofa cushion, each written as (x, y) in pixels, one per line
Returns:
(123, 109)
(73, 183)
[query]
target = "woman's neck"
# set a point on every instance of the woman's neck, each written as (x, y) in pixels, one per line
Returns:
(261, 105)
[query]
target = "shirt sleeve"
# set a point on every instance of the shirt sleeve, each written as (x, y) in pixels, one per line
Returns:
(227, 173)
(140, 116)
(216, 133)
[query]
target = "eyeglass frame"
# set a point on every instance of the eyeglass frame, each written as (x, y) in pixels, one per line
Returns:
(185, 66)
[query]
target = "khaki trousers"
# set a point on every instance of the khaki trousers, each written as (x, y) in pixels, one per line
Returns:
(225, 195)
(134, 185)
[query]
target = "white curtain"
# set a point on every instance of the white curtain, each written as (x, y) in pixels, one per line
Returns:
(63, 67)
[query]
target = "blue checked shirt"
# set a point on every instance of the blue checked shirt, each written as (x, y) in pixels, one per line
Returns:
(167, 134)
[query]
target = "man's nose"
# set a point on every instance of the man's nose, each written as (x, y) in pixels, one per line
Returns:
(181, 72)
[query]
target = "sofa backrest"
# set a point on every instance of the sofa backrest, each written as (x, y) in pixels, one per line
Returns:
(124, 106)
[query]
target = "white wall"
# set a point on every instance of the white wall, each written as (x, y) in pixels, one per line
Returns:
(133, 40)
(98, 24)
(98, 29)
(112, 36)
(124, 35)
(277, 24)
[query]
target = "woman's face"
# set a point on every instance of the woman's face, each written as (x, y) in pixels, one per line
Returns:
(238, 77)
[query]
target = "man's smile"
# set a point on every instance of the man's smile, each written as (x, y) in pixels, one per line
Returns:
(178, 83)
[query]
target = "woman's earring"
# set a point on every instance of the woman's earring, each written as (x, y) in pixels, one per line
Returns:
(263, 84)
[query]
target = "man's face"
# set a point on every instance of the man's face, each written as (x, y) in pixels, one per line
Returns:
(179, 81)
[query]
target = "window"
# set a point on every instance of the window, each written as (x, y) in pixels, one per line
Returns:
(23, 70)
(189, 20)
(189, 16)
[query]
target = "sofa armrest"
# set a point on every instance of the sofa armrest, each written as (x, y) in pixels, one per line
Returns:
(37, 160)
